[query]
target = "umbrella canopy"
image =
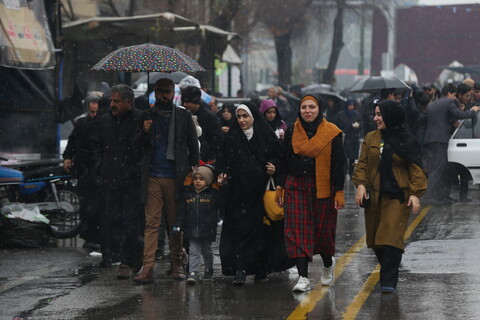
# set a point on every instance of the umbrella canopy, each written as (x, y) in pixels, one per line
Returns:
(176, 77)
(148, 57)
(375, 84)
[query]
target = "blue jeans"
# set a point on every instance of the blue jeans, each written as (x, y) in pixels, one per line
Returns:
(121, 224)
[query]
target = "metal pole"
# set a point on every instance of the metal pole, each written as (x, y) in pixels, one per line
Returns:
(391, 35)
(361, 66)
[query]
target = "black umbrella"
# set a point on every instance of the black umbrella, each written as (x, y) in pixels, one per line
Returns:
(376, 84)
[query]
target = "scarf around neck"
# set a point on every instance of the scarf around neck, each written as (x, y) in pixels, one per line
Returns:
(168, 111)
(318, 147)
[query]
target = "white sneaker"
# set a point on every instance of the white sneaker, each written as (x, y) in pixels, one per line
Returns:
(302, 285)
(328, 274)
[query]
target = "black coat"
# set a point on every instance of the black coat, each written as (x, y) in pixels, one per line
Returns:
(344, 122)
(186, 148)
(199, 214)
(244, 161)
(117, 151)
(212, 136)
(81, 145)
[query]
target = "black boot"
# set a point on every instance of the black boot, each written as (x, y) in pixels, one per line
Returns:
(390, 262)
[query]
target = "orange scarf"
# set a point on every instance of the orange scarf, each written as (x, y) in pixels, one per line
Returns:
(320, 148)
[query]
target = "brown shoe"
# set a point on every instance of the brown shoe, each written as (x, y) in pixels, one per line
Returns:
(177, 270)
(146, 276)
(124, 272)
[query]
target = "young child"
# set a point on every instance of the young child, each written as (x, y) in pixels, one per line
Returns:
(199, 219)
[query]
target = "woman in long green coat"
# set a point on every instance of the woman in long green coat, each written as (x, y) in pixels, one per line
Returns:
(389, 177)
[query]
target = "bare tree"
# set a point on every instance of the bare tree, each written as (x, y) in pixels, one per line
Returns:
(337, 43)
(222, 13)
(284, 18)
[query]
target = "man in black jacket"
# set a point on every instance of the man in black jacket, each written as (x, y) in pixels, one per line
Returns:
(212, 137)
(169, 150)
(118, 156)
(79, 161)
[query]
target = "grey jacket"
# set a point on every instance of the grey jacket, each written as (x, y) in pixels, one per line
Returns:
(440, 116)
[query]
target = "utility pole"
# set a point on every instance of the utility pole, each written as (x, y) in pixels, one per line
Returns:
(361, 63)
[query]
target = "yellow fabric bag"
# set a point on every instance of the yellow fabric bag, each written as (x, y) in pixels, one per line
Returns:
(274, 212)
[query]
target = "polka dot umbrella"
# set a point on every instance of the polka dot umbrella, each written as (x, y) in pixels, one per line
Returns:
(148, 57)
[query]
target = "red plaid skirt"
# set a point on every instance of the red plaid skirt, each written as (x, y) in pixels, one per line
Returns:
(310, 222)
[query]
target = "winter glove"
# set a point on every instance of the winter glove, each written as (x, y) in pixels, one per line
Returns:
(340, 199)
(279, 196)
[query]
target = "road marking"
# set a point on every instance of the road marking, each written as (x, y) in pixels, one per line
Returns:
(317, 294)
(353, 309)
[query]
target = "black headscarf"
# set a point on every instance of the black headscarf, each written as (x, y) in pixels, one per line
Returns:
(311, 127)
(230, 107)
(397, 140)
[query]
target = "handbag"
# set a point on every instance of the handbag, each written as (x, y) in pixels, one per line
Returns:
(274, 212)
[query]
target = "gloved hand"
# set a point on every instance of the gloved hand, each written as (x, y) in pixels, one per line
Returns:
(176, 229)
(279, 196)
(339, 199)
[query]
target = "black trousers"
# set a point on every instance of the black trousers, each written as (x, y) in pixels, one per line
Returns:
(92, 203)
(121, 224)
(389, 258)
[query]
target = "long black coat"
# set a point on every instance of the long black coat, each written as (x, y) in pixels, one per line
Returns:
(186, 149)
(199, 213)
(117, 151)
(244, 162)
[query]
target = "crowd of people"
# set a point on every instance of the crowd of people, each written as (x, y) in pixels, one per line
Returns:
(190, 166)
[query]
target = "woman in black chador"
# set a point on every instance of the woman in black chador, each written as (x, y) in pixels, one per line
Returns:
(250, 156)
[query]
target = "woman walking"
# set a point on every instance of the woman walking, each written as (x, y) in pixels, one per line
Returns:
(390, 168)
(250, 156)
(310, 189)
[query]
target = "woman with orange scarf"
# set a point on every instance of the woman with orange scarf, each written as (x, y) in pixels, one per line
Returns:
(310, 189)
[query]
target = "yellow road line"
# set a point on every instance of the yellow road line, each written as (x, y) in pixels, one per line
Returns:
(353, 309)
(317, 294)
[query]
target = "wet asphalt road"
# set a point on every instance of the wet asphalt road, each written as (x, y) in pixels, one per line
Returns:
(439, 279)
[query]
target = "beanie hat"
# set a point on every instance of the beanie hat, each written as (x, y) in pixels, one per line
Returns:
(205, 172)
(191, 94)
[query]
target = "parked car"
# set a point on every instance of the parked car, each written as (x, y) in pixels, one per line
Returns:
(464, 146)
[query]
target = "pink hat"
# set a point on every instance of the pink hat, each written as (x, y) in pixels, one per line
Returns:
(267, 104)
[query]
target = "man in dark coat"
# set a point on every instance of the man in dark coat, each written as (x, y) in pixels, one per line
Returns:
(349, 121)
(212, 137)
(440, 115)
(118, 157)
(79, 161)
(169, 150)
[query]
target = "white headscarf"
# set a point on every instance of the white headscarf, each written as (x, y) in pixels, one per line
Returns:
(249, 132)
